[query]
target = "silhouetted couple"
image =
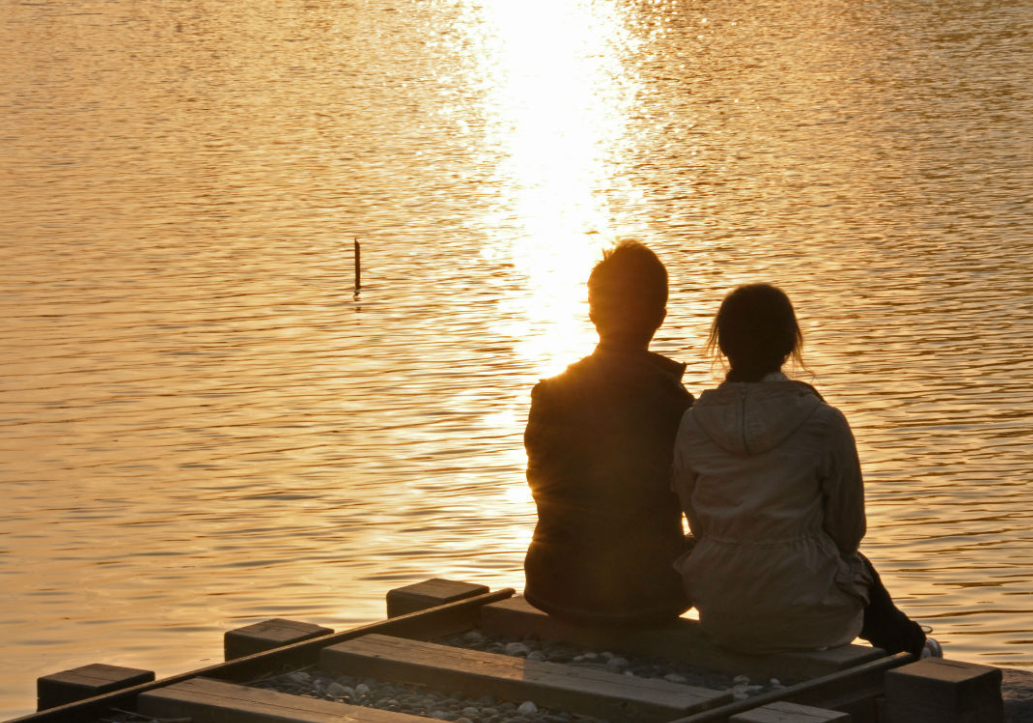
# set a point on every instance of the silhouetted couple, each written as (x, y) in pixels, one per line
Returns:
(765, 471)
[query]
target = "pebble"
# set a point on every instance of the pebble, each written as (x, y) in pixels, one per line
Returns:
(675, 678)
(517, 649)
(339, 691)
(527, 708)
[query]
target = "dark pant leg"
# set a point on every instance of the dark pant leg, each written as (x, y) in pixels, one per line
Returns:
(885, 626)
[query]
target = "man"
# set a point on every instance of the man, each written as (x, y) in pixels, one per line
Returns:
(599, 442)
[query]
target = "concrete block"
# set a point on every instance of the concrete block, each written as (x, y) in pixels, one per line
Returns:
(782, 712)
(267, 635)
(87, 681)
(428, 594)
(935, 690)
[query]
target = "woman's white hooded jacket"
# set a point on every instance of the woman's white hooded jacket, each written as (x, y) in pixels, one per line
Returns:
(769, 478)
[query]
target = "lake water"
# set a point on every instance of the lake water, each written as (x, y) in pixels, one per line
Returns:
(203, 425)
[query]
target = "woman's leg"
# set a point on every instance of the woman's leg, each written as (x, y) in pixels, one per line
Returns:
(885, 626)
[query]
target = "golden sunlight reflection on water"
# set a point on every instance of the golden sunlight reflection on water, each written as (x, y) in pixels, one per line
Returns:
(203, 425)
(556, 102)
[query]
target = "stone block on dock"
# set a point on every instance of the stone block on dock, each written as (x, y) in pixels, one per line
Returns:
(783, 712)
(267, 635)
(428, 594)
(681, 640)
(935, 690)
(87, 681)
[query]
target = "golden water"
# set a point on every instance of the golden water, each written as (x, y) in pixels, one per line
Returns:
(203, 426)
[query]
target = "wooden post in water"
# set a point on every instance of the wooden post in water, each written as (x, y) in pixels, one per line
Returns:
(358, 266)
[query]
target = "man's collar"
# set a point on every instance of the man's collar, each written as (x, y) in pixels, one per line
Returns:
(634, 350)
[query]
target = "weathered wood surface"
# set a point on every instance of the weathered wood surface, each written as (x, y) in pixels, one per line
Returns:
(682, 640)
(564, 687)
(203, 700)
(790, 713)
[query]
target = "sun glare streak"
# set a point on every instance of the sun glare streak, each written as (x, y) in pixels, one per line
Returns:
(556, 97)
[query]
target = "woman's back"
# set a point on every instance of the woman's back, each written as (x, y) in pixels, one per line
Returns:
(768, 475)
(769, 479)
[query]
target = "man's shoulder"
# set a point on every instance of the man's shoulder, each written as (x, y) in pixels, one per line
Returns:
(565, 379)
(599, 372)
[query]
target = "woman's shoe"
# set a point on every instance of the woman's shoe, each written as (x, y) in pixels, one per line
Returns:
(932, 649)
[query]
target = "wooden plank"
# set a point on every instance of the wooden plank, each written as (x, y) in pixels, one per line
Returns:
(682, 641)
(429, 593)
(790, 713)
(565, 687)
(433, 622)
(203, 700)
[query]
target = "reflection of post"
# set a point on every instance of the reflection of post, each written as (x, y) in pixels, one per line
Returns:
(358, 266)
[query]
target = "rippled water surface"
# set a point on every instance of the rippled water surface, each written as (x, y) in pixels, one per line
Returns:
(202, 425)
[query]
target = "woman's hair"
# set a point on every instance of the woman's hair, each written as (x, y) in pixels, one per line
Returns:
(757, 331)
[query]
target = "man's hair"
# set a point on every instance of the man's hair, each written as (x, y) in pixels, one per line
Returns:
(627, 290)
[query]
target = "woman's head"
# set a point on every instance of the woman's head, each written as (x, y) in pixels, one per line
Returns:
(756, 330)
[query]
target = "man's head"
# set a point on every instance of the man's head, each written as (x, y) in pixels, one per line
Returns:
(627, 294)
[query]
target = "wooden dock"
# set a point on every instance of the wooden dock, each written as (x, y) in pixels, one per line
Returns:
(850, 684)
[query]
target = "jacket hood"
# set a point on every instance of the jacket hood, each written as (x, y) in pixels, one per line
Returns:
(752, 418)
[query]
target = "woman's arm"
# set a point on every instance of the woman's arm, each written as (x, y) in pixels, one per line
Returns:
(842, 486)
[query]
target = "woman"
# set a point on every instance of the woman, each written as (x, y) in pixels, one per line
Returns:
(769, 478)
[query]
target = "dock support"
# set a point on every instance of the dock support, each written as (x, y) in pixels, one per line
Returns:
(429, 594)
(267, 635)
(87, 681)
(935, 690)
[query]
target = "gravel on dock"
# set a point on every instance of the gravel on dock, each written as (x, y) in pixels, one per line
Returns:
(415, 700)
(460, 708)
